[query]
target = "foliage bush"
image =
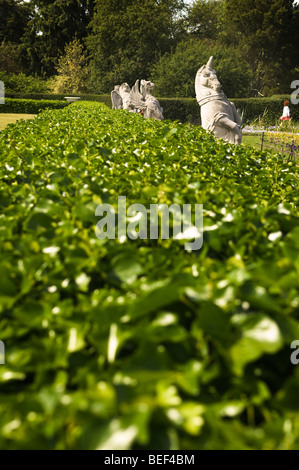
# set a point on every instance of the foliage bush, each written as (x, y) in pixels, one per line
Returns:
(272, 107)
(137, 343)
(55, 96)
(10, 58)
(174, 74)
(72, 70)
(36, 96)
(21, 83)
(187, 109)
(181, 109)
(30, 106)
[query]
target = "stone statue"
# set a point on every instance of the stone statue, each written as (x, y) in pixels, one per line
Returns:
(125, 92)
(117, 102)
(2, 93)
(153, 108)
(217, 113)
(139, 99)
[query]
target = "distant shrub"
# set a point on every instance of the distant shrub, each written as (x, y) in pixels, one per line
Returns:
(72, 70)
(257, 107)
(187, 109)
(175, 109)
(21, 83)
(34, 96)
(174, 74)
(60, 96)
(30, 106)
(10, 58)
(181, 109)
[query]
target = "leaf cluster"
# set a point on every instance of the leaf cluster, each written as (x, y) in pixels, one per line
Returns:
(137, 343)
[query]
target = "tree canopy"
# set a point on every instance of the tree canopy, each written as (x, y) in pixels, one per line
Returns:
(72, 70)
(53, 25)
(255, 42)
(15, 16)
(264, 31)
(128, 37)
(172, 80)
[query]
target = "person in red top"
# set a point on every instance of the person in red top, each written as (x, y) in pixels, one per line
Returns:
(286, 115)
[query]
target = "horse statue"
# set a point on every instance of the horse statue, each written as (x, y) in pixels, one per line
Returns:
(217, 113)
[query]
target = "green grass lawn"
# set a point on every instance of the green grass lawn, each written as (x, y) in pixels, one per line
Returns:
(252, 141)
(12, 118)
(255, 141)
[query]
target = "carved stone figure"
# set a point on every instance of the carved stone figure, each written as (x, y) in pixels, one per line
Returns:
(117, 102)
(124, 91)
(153, 108)
(143, 100)
(139, 99)
(2, 93)
(217, 113)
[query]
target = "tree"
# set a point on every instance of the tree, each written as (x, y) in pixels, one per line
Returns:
(205, 18)
(54, 25)
(174, 74)
(128, 37)
(10, 58)
(72, 70)
(14, 15)
(264, 31)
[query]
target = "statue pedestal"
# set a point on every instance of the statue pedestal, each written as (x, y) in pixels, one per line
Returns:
(72, 99)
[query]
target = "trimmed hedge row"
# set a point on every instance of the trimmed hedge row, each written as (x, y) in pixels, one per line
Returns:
(271, 108)
(30, 106)
(181, 109)
(139, 344)
(51, 96)
(187, 109)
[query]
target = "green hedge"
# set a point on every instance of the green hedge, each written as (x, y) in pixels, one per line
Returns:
(52, 96)
(35, 96)
(30, 106)
(187, 109)
(270, 107)
(181, 109)
(138, 343)
(21, 83)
